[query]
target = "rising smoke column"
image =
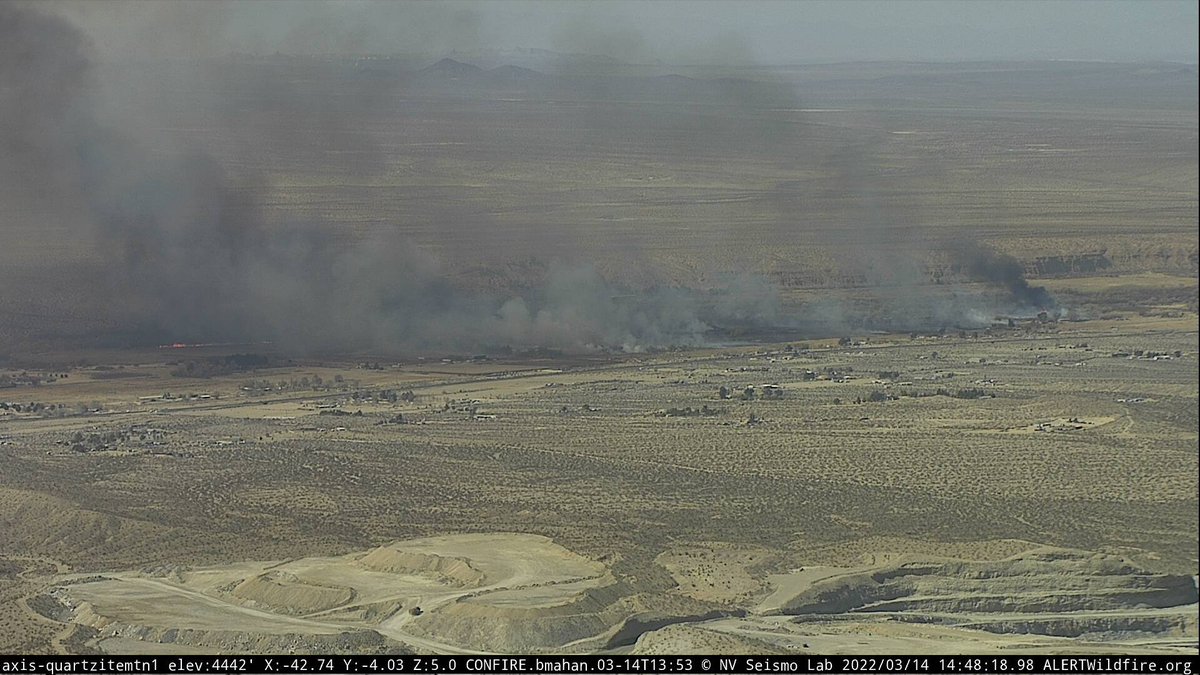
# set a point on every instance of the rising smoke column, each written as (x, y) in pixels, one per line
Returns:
(983, 263)
(198, 256)
(44, 71)
(197, 260)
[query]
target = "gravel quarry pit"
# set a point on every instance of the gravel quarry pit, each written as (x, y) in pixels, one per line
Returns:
(373, 598)
(508, 592)
(1046, 599)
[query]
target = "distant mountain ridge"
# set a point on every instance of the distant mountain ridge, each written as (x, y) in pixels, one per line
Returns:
(452, 68)
(450, 75)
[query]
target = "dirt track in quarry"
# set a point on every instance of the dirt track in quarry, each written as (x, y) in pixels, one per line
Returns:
(1042, 599)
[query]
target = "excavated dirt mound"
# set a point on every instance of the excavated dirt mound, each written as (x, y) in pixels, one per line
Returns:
(525, 619)
(456, 571)
(605, 617)
(287, 594)
(685, 639)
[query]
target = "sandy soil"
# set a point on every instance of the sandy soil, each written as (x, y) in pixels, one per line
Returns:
(505, 592)
(632, 521)
(325, 596)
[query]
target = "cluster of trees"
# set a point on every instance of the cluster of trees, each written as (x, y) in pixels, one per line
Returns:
(876, 396)
(108, 440)
(879, 396)
(52, 409)
(214, 366)
(27, 379)
(388, 395)
(312, 382)
(31, 407)
(338, 383)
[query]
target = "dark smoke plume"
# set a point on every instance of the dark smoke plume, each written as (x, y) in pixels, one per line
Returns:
(44, 67)
(983, 263)
(197, 254)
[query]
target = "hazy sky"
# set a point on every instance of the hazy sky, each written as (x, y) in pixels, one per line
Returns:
(782, 31)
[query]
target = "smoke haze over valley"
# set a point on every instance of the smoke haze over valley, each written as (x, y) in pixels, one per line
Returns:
(387, 204)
